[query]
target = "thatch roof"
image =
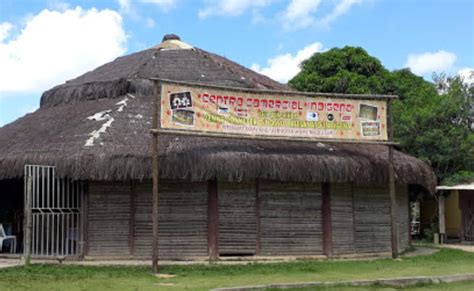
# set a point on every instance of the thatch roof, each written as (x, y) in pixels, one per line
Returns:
(97, 127)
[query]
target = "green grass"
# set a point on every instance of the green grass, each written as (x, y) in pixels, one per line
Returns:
(204, 277)
(458, 286)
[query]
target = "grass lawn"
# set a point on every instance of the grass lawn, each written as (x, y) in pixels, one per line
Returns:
(204, 277)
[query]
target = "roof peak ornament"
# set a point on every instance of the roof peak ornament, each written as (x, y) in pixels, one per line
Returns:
(172, 42)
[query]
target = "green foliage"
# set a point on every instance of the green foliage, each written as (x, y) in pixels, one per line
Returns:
(462, 177)
(346, 70)
(431, 121)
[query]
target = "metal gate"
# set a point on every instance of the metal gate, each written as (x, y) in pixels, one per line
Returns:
(56, 212)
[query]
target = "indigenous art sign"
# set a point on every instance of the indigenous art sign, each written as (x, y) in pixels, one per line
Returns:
(253, 113)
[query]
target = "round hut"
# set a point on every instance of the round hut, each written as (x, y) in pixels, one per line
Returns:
(85, 155)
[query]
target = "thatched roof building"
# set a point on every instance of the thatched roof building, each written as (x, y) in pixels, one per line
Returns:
(57, 133)
(96, 128)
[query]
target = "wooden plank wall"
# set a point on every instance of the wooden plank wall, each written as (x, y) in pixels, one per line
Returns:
(109, 219)
(114, 207)
(290, 218)
(342, 219)
(361, 219)
(372, 219)
(403, 217)
(237, 218)
(119, 219)
(182, 221)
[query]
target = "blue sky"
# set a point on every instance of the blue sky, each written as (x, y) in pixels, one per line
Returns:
(44, 43)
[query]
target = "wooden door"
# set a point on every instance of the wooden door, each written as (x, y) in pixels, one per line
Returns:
(466, 204)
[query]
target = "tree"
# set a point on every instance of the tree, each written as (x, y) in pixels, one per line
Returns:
(429, 124)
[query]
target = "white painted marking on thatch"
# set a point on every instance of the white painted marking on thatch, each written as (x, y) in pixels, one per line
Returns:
(104, 115)
(99, 116)
(122, 104)
(96, 133)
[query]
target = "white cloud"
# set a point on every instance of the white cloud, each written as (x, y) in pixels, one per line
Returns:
(58, 5)
(425, 63)
(56, 46)
(230, 7)
(150, 23)
(163, 4)
(299, 14)
(340, 9)
(5, 29)
(284, 67)
(467, 75)
(124, 5)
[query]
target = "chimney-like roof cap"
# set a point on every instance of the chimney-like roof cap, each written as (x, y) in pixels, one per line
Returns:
(171, 37)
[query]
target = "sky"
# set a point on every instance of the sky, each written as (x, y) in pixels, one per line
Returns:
(45, 43)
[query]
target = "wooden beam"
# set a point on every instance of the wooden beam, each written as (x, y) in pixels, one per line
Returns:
(160, 81)
(155, 173)
(213, 220)
(391, 185)
(393, 204)
(85, 220)
(326, 219)
(258, 205)
(261, 137)
(131, 231)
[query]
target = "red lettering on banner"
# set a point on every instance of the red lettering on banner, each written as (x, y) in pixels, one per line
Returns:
(256, 102)
(271, 103)
(205, 98)
(278, 103)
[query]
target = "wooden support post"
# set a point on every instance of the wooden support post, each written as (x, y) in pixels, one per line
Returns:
(155, 173)
(28, 225)
(441, 217)
(258, 204)
(213, 220)
(326, 219)
(393, 203)
(131, 238)
(85, 221)
(391, 185)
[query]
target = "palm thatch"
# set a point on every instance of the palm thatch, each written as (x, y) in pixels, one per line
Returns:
(96, 127)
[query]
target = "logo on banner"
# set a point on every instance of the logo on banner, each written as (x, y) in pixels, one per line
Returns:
(181, 105)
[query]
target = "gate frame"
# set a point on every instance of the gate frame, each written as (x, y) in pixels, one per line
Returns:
(54, 214)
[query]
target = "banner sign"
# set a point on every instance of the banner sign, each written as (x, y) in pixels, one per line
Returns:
(237, 112)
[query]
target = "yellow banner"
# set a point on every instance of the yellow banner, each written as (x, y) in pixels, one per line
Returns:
(216, 110)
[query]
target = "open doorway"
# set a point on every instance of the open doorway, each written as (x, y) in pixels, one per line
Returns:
(11, 216)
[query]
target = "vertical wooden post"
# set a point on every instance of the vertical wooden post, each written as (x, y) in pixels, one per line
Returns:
(28, 226)
(391, 186)
(441, 217)
(258, 203)
(131, 238)
(213, 220)
(393, 203)
(326, 219)
(85, 220)
(155, 173)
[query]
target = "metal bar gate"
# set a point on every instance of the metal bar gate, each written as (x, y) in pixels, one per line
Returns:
(56, 213)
